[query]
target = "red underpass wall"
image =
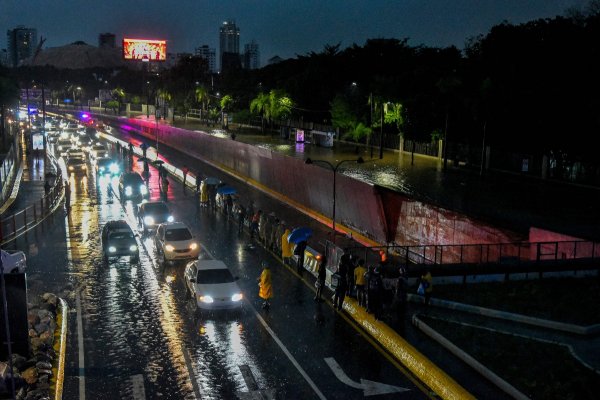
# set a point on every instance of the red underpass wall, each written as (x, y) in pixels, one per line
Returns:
(379, 213)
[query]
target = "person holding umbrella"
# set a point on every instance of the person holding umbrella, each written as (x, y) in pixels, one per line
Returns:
(265, 286)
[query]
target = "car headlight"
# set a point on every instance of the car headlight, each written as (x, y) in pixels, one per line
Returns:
(237, 297)
(133, 247)
(169, 247)
(206, 299)
(193, 246)
(128, 191)
(149, 220)
(143, 189)
(112, 249)
(170, 218)
(114, 168)
(70, 168)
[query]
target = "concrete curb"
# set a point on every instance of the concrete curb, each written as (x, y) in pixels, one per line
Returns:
(427, 372)
(466, 358)
(524, 319)
(60, 346)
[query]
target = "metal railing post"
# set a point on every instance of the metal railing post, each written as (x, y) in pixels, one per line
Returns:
(14, 223)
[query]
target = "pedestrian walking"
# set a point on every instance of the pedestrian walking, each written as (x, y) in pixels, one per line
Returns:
(299, 252)
(374, 288)
(262, 227)
(359, 283)
(165, 188)
(321, 275)
(254, 224)
(341, 287)
(265, 286)
(131, 149)
(401, 295)
(286, 247)
(425, 287)
(198, 181)
(204, 194)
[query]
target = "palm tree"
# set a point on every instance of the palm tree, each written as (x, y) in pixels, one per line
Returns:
(260, 105)
(119, 95)
(202, 97)
(166, 97)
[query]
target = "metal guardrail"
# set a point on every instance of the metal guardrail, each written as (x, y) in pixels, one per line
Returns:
(8, 170)
(489, 257)
(12, 226)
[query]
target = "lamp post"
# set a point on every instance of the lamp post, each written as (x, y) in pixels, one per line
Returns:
(334, 169)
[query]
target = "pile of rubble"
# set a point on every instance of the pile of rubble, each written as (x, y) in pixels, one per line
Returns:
(33, 372)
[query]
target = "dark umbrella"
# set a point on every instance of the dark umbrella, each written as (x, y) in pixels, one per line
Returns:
(212, 181)
(226, 190)
(300, 235)
(158, 162)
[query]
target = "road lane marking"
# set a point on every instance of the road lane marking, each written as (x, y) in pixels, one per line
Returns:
(253, 393)
(368, 387)
(80, 348)
(137, 384)
(287, 353)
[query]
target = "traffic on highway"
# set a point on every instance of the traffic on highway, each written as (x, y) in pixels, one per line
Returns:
(165, 294)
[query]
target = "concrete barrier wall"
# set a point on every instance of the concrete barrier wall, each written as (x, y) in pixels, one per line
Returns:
(378, 213)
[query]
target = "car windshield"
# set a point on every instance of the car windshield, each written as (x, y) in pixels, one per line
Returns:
(156, 208)
(120, 235)
(131, 179)
(178, 234)
(214, 276)
(75, 161)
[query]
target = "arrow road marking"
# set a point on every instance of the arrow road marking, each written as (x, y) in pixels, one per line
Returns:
(370, 388)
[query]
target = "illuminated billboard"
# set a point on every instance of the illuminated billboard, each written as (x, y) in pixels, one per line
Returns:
(144, 50)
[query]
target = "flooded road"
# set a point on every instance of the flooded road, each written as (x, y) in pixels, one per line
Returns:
(134, 334)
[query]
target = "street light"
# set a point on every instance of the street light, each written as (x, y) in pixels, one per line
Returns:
(334, 169)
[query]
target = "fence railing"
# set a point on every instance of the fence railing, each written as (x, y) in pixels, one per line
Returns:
(518, 254)
(12, 226)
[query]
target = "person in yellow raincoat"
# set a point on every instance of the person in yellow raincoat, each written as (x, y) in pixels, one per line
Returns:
(265, 286)
(286, 247)
(203, 194)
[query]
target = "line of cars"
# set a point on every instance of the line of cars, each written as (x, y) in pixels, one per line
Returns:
(209, 282)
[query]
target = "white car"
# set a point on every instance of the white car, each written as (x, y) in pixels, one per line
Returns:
(174, 241)
(98, 151)
(13, 263)
(212, 285)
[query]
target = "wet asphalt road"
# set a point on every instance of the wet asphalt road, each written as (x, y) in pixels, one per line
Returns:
(133, 334)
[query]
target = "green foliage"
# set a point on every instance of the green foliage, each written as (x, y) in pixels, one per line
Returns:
(226, 102)
(436, 135)
(342, 116)
(273, 105)
(112, 104)
(358, 132)
(136, 99)
(393, 114)
(202, 96)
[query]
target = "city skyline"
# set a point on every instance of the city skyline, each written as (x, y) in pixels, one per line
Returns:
(280, 28)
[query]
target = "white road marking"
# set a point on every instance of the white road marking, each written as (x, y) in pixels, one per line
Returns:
(369, 388)
(80, 347)
(137, 383)
(288, 354)
(254, 393)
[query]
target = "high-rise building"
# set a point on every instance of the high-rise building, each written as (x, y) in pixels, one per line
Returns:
(3, 58)
(251, 56)
(21, 44)
(229, 40)
(209, 55)
(107, 40)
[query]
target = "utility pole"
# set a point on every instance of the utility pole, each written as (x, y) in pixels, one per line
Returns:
(381, 134)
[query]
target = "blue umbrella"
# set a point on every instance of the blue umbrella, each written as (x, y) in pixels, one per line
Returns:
(212, 181)
(300, 235)
(226, 190)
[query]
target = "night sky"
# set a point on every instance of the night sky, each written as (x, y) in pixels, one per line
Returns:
(284, 27)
